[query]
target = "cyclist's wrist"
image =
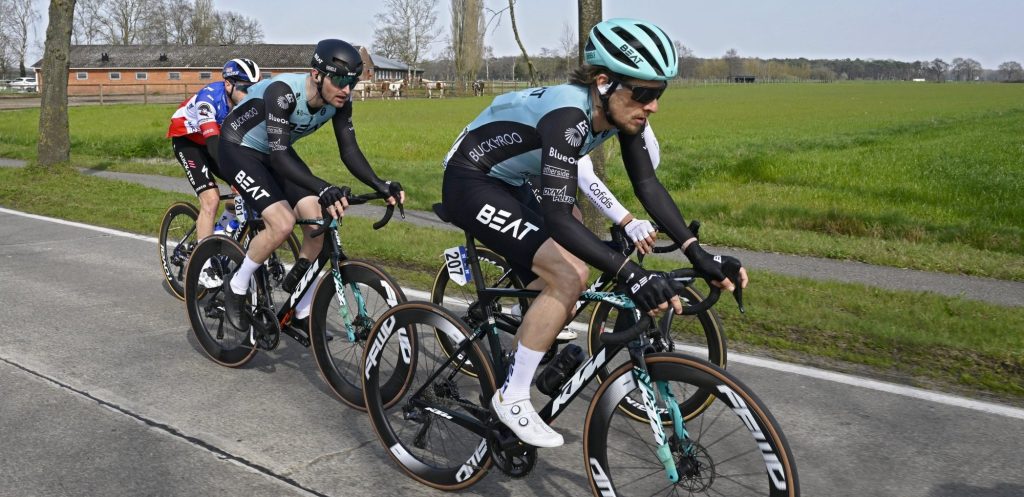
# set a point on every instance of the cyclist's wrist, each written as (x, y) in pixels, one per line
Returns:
(689, 241)
(626, 219)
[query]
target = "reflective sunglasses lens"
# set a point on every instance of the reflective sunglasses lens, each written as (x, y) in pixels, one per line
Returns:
(244, 88)
(645, 95)
(343, 81)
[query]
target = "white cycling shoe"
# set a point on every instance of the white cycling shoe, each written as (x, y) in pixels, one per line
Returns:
(522, 419)
(209, 277)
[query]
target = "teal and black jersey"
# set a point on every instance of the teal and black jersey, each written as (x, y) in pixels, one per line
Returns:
(276, 113)
(543, 132)
(247, 124)
(505, 139)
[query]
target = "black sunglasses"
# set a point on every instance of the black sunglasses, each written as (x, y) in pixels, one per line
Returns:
(644, 94)
(243, 87)
(342, 81)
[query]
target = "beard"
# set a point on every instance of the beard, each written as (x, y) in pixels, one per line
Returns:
(628, 126)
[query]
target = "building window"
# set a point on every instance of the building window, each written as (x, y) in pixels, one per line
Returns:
(204, 75)
(141, 76)
(82, 75)
(114, 76)
(174, 76)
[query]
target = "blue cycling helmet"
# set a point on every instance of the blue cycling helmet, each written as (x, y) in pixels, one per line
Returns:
(633, 48)
(244, 70)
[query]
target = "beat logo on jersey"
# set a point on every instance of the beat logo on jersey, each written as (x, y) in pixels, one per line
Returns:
(574, 135)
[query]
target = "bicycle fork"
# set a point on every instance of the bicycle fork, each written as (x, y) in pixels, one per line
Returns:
(652, 398)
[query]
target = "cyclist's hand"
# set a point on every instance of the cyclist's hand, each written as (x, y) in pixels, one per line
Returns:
(711, 266)
(396, 195)
(643, 234)
(650, 291)
(334, 200)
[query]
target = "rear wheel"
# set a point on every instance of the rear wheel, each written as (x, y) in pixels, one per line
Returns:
(176, 241)
(367, 293)
(734, 448)
(421, 427)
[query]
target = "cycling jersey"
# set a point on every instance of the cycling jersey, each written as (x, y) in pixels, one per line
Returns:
(274, 114)
(545, 131)
(199, 116)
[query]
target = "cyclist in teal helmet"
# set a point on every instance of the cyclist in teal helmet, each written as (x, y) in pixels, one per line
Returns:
(544, 132)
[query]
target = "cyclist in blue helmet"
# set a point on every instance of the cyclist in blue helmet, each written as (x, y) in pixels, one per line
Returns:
(545, 132)
(195, 135)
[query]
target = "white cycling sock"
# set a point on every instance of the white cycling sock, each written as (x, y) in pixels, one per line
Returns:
(302, 308)
(520, 375)
(240, 282)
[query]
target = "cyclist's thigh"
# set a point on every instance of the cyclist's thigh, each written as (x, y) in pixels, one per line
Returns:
(495, 214)
(197, 163)
(249, 172)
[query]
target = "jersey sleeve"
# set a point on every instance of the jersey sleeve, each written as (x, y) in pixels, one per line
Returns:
(351, 155)
(651, 193)
(562, 134)
(206, 113)
(280, 103)
(598, 193)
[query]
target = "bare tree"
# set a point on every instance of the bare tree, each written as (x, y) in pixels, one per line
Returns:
(89, 22)
(410, 26)
(1011, 70)
(54, 145)
(938, 68)
(965, 69)
(19, 21)
(570, 47)
(6, 54)
(732, 59)
(389, 42)
(203, 22)
(123, 20)
(519, 41)
(467, 37)
(234, 28)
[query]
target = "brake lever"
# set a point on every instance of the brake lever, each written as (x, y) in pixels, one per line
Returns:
(731, 270)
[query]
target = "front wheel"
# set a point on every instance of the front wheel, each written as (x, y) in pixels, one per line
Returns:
(177, 239)
(425, 428)
(338, 346)
(735, 447)
(225, 344)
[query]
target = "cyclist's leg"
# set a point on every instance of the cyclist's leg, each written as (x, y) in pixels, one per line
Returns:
(199, 169)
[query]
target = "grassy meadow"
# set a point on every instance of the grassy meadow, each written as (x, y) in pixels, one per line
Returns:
(920, 175)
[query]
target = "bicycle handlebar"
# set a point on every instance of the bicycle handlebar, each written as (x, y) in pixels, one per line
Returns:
(389, 211)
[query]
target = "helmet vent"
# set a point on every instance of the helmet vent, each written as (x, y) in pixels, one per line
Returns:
(641, 49)
(657, 40)
(614, 50)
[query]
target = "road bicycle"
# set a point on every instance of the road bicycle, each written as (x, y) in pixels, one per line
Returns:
(178, 239)
(344, 305)
(440, 430)
(701, 333)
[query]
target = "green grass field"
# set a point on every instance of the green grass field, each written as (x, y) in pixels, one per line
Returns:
(909, 175)
(912, 175)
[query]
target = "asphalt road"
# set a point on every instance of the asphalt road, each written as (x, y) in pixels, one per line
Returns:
(103, 391)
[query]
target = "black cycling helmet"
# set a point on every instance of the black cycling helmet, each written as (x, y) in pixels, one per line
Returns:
(336, 57)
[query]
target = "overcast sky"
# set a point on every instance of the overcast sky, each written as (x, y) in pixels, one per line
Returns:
(988, 31)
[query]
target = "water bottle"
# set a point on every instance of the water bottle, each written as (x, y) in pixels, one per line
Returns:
(231, 228)
(559, 370)
(218, 229)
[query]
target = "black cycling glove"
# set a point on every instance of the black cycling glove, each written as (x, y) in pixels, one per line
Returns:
(647, 289)
(707, 265)
(394, 189)
(331, 194)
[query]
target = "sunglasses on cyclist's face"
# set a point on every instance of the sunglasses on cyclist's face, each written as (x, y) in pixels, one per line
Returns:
(243, 86)
(342, 81)
(644, 94)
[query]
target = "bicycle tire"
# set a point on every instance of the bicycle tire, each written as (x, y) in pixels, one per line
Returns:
(177, 228)
(703, 330)
(461, 298)
(739, 448)
(414, 435)
(222, 343)
(339, 359)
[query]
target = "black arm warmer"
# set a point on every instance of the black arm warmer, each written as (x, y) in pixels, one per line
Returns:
(649, 190)
(283, 158)
(348, 147)
(558, 188)
(211, 146)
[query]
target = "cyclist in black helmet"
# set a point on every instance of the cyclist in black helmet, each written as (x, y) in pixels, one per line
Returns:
(257, 155)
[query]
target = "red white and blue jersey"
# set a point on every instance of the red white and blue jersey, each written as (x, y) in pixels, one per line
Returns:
(200, 116)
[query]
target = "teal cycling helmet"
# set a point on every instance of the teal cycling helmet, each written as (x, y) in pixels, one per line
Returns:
(632, 48)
